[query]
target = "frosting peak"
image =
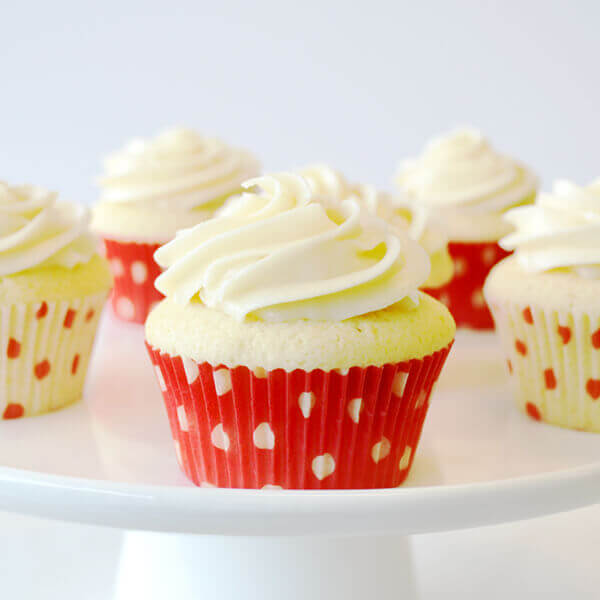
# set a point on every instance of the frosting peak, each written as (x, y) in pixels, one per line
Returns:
(177, 170)
(329, 183)
(37, 230)
(460, 177)
(326, 182)
(462, 169)
(561, 230)
(282, 252)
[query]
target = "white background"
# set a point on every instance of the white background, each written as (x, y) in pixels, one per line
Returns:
(355, 84)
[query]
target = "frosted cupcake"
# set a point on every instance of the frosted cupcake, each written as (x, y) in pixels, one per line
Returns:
(53, 286)
(466, 187)
(293, 348)
(151, 189)
(545, 304)
(329, 183)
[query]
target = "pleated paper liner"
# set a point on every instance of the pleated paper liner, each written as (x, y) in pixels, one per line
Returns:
(463, 294)
(134, 271)
(242, 428)
(45, 349)
(553, 358)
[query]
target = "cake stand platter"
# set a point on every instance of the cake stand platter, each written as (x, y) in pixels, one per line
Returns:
(110, 461)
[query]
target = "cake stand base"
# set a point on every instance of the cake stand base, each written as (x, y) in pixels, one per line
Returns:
(155, 566)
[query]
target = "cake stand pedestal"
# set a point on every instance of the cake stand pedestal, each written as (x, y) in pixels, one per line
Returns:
(110, 461)
(157, 566)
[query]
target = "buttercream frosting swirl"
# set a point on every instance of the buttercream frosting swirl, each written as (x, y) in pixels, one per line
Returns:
(280, 252)
(561, 230)
(326, 182)
(460, 177)
(37, 230)
(178, 170)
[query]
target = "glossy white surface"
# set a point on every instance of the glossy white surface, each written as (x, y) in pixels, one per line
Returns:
(110, 461)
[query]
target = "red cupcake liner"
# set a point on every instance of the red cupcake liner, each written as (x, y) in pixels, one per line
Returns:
(134, 271)
(463, 294)
(238, 428)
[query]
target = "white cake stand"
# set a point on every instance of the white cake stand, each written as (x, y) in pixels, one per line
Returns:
(110, 461)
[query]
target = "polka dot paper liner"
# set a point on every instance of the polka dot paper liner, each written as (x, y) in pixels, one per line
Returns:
(463, 294)
(553, 360)
(134, 272)
(243, 428)
(45, 351)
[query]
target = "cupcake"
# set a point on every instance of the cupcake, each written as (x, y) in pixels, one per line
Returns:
(293, 348)
(465, 187)
(151, 189)
(53, 286)
(545, 304)
(328, 182)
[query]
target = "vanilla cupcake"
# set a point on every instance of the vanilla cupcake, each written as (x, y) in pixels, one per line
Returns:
(151, 189)
(465, 187)
(293, 348)
(329, 183)
(53, 286)
(545, 304)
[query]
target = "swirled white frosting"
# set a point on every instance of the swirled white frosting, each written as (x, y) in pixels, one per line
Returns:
(279, 252)
(36, 230)
(179, 174)
(561, 230)
(331, 184)
(466, 184)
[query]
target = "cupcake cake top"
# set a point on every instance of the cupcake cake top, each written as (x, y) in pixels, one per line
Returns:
(153, 187)
(36, 230)
(283, 252)
(461, 178)
(560, 231)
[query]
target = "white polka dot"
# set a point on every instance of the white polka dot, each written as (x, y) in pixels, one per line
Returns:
(182, 418)
(125, 308)
(206, 484)
(323, 466)
(488, 255)
(306, 402)
(460, 266)
(405, 460)
(445, 299)
(477, 299)
(191, 369)
(161, 379)
(260, 372)
(399, 383)
(380, 450)
(342, 372)
(263, 437)
(178, 452)
(421, 398)
(117, 267)
(222, 379)
(270, 486)
(139, 272)
(219, 438)
(353, 409)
